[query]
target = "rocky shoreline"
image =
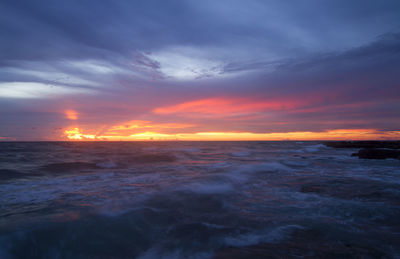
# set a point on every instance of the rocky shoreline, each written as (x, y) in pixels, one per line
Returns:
(370, 149)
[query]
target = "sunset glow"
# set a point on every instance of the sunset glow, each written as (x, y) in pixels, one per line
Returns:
(75, 134)
(162, 71)
(342, 134)
(138, 124)
(222, 106)
(71, 115)
(199, 129)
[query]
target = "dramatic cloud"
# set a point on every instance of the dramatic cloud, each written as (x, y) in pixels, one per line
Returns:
(188, 67)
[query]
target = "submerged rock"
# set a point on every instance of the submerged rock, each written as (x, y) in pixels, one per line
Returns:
(377, 153)
(370, 149)
(363, 144)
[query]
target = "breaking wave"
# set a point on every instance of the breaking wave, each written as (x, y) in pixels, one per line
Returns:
(195, 200)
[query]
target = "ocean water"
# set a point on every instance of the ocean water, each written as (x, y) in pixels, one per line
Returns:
(196, 200)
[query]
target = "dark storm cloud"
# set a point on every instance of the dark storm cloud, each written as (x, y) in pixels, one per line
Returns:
(373, 65)
(73, 29)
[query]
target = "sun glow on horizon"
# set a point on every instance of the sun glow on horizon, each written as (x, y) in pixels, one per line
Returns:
(339, 134)
(75, 134)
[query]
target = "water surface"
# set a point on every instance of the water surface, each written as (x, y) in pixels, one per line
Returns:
(196, 200)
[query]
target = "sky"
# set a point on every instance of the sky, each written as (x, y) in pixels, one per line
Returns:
(199, 70)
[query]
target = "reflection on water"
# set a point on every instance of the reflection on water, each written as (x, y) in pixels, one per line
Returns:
(196, 200)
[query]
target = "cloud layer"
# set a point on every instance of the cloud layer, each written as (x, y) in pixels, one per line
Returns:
(211, 66)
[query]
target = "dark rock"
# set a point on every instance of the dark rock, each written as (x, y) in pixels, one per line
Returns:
(377, 153)
(363, 144)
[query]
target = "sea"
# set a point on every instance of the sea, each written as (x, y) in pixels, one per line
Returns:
(196, 200)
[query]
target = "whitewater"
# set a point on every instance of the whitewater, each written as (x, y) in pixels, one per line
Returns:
(196, 200)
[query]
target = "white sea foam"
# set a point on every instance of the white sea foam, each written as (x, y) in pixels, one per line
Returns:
(209, 188)
(107, 164)
(243, 172)
(267, 166)
(314, 148)
(41, 190)
(267, 236)
(253, 194)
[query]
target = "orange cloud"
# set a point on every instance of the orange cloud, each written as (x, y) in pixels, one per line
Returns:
(225, 106)
(141, 124)
(71, 114)
(139, 128)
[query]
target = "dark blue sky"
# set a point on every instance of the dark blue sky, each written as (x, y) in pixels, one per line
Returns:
(176, 67)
